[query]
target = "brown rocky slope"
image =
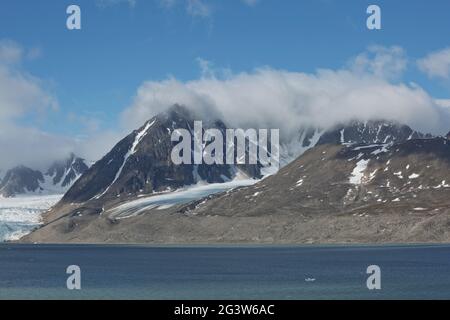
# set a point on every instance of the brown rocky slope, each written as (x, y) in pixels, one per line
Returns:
(377, 193)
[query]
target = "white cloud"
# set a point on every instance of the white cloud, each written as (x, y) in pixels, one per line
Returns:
(24, 95)
(97, 144)
(208, 70)
(444, 103)
(436, 64)
(31, 147)
(269, 98)
(20, 92)
(383, 62)
(264, 98)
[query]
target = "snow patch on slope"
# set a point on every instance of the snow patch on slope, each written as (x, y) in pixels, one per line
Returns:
(48, 188)
(139, 136)
(358, 172)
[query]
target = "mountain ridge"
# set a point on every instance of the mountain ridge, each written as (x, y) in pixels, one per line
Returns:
(140, 164)
(362, 170)
(60, 175)
(330, 194)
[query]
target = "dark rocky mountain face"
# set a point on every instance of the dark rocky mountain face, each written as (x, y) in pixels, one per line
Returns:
(353, 132)
(56, 180)
(21, 180)
(141, 164)
(65, 172)
(370, 132)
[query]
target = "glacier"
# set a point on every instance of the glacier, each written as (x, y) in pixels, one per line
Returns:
(20, 215)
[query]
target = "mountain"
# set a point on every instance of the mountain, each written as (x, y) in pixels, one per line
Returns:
(353, 132)
(56, 180)
(20, 180)
(64, 173)
(375, 181)
(141, 164)
(356, 178)
(337, 193)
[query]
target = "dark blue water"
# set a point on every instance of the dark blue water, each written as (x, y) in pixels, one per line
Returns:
(134, 272)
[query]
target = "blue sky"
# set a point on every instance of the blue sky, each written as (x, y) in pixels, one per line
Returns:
(94, 73)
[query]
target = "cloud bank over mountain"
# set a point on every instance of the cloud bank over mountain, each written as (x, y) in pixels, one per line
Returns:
(22, 94)
(24, 100)
(267, 98)
(368, 87)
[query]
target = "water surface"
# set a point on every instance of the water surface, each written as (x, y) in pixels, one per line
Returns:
(139, 272)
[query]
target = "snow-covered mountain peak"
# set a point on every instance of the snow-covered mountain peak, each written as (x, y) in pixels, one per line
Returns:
(56, 180)
(352, 133)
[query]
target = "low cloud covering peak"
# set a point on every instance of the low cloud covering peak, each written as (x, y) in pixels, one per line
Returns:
(270, 98)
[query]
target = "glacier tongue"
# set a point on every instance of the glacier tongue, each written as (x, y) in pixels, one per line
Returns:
(20, 215)
(170, 199)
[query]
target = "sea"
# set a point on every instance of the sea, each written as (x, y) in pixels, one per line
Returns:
(224, 272)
